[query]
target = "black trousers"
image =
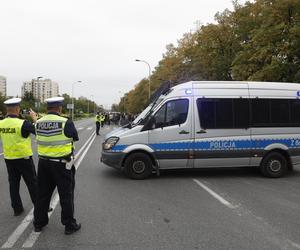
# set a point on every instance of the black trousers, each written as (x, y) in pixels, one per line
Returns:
(16, 169)
(50, 175)
(97, 128)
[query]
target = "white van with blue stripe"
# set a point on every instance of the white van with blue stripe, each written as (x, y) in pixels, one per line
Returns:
(211, 124)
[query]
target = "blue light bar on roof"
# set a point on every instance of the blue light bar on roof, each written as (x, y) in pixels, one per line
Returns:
(188, 92)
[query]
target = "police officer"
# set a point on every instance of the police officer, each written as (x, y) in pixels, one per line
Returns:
(15, 135)
(55, 138)
(98, 122)
(102, 119)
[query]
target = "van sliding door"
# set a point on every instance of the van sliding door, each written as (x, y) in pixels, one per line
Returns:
(222, 133)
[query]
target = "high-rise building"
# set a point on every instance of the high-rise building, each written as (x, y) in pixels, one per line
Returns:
(41, 89)
(2, 85)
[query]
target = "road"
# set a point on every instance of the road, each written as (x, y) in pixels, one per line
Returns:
(198, 209)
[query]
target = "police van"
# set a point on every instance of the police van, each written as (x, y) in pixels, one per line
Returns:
(211, 124)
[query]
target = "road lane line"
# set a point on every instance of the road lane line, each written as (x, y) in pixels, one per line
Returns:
(81, 128)
(33, 237)
(89, 128)
(19, 231)
(1, 154)
(215, 195)
(28, 219)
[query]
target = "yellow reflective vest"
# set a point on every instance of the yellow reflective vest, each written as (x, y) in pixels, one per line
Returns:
(14, 145)
(51, 140)
(97, 118)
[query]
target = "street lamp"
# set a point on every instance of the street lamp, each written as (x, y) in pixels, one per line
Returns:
(73, 98)
(88, 108)
(38, 93)
(92, 97)
(149, 67)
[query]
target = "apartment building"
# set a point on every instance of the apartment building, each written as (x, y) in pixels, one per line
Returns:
(41, 89)
(3, 88)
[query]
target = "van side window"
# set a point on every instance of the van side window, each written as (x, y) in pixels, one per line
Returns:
(260, 112)
(224, 113)
(295, 112)
(275, 113)
(207, 113)
(218, 113)
(172, 113)
(160, 117)
(241, 109)
(280, 112)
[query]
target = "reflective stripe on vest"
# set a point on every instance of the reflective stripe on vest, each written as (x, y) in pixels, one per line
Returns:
(51, 140)
(14, 145)
(54, 143)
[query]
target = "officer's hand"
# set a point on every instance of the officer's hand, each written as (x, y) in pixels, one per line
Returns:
(33, 115)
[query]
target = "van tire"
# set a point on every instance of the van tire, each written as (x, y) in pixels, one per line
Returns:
(138, 166)
(274, 165)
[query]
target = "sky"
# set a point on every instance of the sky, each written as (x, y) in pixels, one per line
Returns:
(93, 41)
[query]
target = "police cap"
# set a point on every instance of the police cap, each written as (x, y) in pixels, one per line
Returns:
(13, 102)
(54, 101)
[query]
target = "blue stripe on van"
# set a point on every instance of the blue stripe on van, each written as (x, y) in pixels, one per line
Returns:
(218, 145)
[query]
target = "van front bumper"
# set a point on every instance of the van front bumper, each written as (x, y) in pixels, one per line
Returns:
(112, 159)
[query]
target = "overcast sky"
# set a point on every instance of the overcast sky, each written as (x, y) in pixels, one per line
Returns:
(93, 41)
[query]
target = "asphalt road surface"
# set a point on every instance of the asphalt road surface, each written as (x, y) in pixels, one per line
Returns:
(198, 209)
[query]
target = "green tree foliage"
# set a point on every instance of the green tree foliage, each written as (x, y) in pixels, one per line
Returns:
(82, 105)
(257, 41)
(271, 50)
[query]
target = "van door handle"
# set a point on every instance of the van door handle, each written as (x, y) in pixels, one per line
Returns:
(183, 132)
(202, 131)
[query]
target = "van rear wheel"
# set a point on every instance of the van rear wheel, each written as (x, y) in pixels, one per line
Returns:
(138, 166)
(274, 165)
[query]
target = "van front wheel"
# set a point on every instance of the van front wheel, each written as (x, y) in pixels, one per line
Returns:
(274, 165)
(138, 166)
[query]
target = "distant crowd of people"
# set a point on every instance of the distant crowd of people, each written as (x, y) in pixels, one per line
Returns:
(117, 118)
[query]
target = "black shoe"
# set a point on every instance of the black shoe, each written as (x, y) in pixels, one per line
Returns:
(18, 212)
(50, 209)
(38, 229)
(72, 228)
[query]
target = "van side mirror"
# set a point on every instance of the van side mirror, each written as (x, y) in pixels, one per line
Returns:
(149, 125)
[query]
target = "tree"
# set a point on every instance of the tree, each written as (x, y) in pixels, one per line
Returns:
(257, 41)
(271, 52)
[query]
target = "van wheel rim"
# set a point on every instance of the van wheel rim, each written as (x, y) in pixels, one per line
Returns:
(275, 166)
(138, 167)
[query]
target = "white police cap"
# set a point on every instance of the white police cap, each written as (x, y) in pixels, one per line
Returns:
(13, 102)
(55, 101)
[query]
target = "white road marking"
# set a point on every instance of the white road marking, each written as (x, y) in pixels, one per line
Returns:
(34, 235)
(30, 241)
(296, 245)
(1, 154)
(89, 128)
(28, 219)
(81, 128)
(215, 195)
(19, 231)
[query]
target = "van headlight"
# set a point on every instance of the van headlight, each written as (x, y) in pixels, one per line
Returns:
(110, 143)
